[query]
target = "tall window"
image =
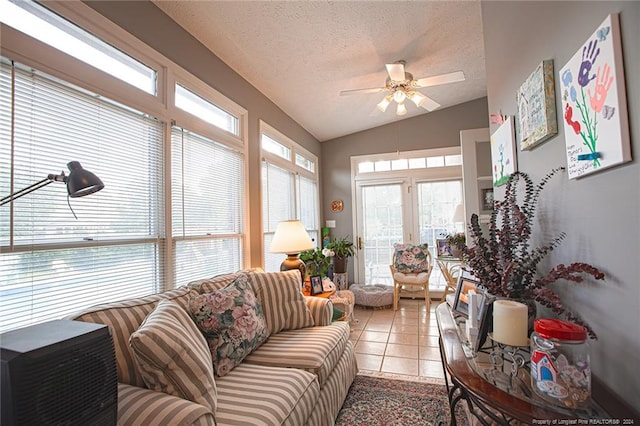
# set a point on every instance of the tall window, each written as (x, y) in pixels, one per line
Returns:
(52, 263)
(173, 205)
(207, 206)
(289, 189)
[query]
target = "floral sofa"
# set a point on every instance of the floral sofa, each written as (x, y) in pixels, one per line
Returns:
(176, 366)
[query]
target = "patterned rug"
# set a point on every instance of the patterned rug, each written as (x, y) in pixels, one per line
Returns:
(379, 400)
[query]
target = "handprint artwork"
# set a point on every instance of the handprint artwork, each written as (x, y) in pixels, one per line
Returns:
(594, 103)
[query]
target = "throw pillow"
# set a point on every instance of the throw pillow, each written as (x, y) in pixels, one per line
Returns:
(232, 322)
(284, 305)
(173, 357)
(411, 258)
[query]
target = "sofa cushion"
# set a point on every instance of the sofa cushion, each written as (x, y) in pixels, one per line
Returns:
(411, 258)
(259, 395)
(123, 318)
(173, 356)
(314, 349)
(283, 303)
(232, 321)
(207, 285)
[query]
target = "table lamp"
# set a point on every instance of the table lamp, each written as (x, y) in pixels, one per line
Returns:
(291, 238)
(458, 214)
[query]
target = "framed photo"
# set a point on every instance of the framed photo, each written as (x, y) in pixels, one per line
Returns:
(316, 285)
(485, 320)
(466, 282)
(443, 247)
(486, 200)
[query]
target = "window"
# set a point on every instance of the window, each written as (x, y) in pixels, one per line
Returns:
(174, 199)
(52, 29)
(409, 160)
(289, 189)
(205, 110)
(51, 262)
(207, 206)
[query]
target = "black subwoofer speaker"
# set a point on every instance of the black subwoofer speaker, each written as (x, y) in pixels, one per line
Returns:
(58, 373)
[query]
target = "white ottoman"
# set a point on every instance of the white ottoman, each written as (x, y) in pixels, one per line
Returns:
(373, 295)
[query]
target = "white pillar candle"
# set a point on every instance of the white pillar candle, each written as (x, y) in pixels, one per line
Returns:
(510, 322)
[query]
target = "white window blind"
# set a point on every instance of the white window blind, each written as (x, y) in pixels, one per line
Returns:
(308, 206)
(207, 206)
(278, 204)
(57, 264)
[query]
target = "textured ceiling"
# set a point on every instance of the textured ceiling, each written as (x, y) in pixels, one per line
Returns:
(301, 54)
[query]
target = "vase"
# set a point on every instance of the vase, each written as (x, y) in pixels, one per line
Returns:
(339, 264)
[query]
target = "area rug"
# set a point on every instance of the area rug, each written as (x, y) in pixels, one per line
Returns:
(376, 400)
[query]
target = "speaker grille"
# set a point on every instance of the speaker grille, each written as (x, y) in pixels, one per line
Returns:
(71, 386)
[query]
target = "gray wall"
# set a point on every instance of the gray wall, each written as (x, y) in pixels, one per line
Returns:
(148, 23)
(437, 129)
(599, 212)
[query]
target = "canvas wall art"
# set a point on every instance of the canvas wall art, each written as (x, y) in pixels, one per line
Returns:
(503, 153)
(536, 102)
(596, 124)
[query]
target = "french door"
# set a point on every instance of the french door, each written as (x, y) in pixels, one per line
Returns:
(411, 210)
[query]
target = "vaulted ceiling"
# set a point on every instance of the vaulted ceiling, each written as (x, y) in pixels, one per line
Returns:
(302, 54)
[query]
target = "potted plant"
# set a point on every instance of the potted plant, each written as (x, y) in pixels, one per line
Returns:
(343, 249)
(504, 261)
(457, 243)
(316, 261)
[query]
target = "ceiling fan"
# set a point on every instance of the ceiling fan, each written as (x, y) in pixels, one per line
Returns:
(401, 86)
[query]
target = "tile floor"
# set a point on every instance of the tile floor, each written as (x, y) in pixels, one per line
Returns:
(401, 342)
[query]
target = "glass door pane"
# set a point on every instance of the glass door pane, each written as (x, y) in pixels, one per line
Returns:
(380, 214)
(436, 205)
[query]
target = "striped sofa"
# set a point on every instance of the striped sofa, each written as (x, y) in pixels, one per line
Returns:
(297, 377)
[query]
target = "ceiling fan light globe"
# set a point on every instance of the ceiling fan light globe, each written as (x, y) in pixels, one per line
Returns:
(417, 98)
(384, 103)
(401, 110)
(399, 96)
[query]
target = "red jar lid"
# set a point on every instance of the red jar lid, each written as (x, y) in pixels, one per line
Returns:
(550, 328)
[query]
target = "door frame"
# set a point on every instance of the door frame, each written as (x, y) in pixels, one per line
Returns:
(409, 177)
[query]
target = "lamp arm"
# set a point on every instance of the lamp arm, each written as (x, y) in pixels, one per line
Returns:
(24, 191)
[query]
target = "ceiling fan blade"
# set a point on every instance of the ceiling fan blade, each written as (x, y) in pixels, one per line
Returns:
(361, 91)
(451, 77)
(429, 104)
(396, 71)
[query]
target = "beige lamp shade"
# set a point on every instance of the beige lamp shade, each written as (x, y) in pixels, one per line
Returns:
(458, 215)
(290, 237)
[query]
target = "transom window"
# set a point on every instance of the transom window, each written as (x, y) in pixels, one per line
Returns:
(408, 163)
(199, 107)
(40, 23)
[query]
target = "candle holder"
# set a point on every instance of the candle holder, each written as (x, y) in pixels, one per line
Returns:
(518, 357)
(509, 367)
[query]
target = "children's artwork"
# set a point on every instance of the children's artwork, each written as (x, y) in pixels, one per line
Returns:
(536, 100)
(503, 153)
(596, 125)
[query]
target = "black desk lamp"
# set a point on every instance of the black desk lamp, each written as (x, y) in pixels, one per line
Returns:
(80, 182)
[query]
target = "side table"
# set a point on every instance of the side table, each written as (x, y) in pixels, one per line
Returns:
(492, 405)
(448, 266)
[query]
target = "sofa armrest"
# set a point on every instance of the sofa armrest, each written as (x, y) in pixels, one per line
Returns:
(140, 406)
(321, 309)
